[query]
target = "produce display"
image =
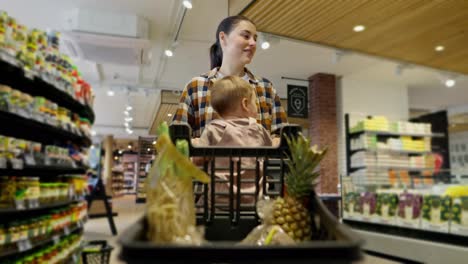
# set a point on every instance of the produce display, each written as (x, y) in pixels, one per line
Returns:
(430, 209)
(31, 192)
(37, 52)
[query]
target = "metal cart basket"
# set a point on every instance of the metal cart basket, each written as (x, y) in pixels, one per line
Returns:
(229, 222)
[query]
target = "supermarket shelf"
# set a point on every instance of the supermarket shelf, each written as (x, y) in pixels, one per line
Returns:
(15, 77)
(29, 129)
(26, 245)
(42, 171)
(370, 150)
(386, 133)
(10, 211)
(413, 233)
(426, 250)
(395, 168)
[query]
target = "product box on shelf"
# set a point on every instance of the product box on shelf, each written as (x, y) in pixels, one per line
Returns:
(369, 207)
(436, 213)
(386, 207)
(409, 210)
(459, 223)
(352, 206)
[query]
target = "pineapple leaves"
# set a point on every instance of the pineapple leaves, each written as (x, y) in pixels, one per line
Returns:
(302, 165)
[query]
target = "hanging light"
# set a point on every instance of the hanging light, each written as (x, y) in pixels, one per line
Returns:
(187, 4)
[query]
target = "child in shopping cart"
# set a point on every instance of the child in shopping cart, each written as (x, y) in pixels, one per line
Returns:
(236, 103)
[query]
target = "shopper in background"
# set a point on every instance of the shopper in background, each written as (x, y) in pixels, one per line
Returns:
(235, 46)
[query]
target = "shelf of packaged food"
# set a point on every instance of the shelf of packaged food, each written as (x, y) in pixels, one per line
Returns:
(394, 134)
(30, 243)
(29, 129)
(42, 171)
(392, 151)
(386, 167)
(10, 211)
(15, 77)
(414, 245)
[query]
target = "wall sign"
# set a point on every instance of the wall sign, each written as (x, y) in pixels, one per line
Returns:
(298, 103)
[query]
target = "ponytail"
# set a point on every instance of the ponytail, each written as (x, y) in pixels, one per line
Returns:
(226, 26)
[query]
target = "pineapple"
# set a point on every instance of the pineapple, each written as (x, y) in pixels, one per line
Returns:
(291, 212)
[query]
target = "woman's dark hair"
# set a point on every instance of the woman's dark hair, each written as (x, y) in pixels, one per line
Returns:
(226, 26)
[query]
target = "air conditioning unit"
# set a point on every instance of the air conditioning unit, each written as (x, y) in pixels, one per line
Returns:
(106, 38)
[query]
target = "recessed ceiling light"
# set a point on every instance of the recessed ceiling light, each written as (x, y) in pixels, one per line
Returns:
(120, 151)
(129, 108)
(149, 149)
(265, 45)
(128, 119)
(154, 142)
(169, 53)
(93, 133)
(129, 146)
(359, 28)
(126, 113)
(110, 93)
(169, 115)
(439, 48)
(450, 83)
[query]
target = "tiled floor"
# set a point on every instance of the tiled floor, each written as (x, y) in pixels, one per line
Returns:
(129, 212)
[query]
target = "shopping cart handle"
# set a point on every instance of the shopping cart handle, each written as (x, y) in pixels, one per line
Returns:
(183, 131)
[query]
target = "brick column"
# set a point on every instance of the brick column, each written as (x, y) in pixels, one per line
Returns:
(323, 128)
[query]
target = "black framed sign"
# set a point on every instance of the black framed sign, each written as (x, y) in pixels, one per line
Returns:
(298, 103)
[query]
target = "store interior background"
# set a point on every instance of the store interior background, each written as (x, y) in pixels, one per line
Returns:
(151, 82)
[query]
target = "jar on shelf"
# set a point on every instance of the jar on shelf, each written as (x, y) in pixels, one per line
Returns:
(2, 236)
(13, 232)
(39, 105)
(23, 230)
(15, 98)
(34, 190)
(5, 93)
(7, 191)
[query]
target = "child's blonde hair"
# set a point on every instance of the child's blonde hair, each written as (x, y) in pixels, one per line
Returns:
(228, 92)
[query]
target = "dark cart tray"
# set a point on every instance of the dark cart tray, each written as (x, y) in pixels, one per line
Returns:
(337, 244)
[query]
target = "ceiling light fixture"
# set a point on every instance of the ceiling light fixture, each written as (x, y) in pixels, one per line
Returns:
(169, 53)
(154, 142)
(93, 133)
(129, 146)
(110, 93)
(149, 149)
(126, 113)
(359, 28)
(169, 115)
(450, 83)
(187, 4)
(128, 119)
(120, 151)
(126, 124)
(439, 48)
(129, 108)
(265, 45)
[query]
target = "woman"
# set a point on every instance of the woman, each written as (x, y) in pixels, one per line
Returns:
(235, 46)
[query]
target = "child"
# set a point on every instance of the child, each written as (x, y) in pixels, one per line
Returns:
(235, 102)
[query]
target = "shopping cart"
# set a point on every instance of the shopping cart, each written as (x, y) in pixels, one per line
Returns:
(332, 242)
(96, 252)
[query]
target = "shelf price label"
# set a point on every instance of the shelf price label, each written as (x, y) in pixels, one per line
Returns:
(29, 160)
(24, 245)
(56, 239)
(66, 230)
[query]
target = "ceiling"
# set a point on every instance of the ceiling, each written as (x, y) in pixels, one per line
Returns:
(287, 57)
(401, 30)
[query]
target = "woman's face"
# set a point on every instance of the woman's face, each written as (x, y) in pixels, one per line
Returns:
(240, 44)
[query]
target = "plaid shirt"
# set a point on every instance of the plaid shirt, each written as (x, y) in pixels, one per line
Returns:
(195, 108)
